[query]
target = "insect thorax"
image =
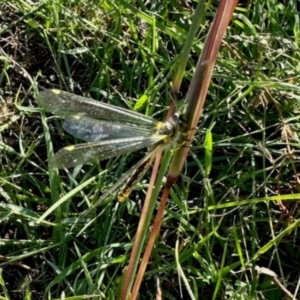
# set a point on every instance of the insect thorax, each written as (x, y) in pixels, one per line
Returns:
(171, 128)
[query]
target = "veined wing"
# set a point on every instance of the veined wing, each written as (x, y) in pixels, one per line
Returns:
(92, 130)
(65, 104)
(80, 154)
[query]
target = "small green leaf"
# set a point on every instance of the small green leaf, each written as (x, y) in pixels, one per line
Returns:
(208, 144)
(141, 102)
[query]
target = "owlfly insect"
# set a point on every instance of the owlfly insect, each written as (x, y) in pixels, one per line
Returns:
(109, 131)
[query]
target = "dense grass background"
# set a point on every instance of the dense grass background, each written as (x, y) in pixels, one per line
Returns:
(217, 231)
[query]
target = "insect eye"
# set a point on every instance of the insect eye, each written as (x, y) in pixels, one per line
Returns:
(176, 117)
(181, 121)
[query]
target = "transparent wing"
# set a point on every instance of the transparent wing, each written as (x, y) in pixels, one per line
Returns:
(71, 156)
(65, 104)
(92, 130)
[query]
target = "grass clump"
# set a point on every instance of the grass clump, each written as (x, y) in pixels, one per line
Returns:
(224, 234)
